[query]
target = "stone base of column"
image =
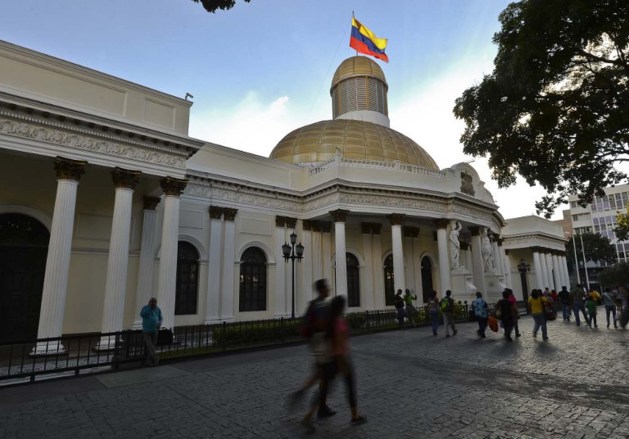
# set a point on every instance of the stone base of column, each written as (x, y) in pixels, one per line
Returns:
(212, 321)
(48, 348)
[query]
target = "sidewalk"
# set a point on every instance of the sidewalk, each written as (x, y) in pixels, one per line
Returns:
(410, 384)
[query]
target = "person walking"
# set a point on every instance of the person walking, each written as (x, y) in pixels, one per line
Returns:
(516, 315)
(447, 308)
(505, 312)
(398, 302)
(564, 300)
(578, 306)
(590, 305)
(151, 322)
(537, 303)
(433, 310)
(411, 311)
(610, 306)
(481, 310)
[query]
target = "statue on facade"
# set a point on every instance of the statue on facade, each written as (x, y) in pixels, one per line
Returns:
(455, 245)
(487, 251)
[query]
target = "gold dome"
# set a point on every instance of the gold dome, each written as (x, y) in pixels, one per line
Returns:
(354, 139)
(357, 66)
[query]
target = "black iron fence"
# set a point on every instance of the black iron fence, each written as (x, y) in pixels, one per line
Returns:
(76, 354)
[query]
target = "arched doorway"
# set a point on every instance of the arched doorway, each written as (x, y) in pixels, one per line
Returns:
(426, 278)
(187, 284)
(353, 281)
(23, 251)
(389, 281)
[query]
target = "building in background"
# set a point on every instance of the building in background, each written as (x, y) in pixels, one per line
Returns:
(105, 201)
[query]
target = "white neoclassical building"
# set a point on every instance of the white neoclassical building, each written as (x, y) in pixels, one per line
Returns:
(106, 201)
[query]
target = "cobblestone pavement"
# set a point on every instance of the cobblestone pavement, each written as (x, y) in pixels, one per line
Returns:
(410, 384)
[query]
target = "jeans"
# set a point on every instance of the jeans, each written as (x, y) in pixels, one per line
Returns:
(540, 320)
(508, 327)
(566, 311)
(580, 307)
(482, 326)
(150, 356)
(612, 310)
(448, 320)
(434, 315)
(593, 320)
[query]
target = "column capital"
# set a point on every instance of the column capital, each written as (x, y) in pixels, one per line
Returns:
(291, 222)
(442, 223)
(124, 178)
(537, 249)
(215, 212)
(326, 226)
(464, 245)
(500, 240)
(229, 214)
(396, 219)
(69, 169)
(475, 230)
(173, 186)
(376, 228)
(150, 203)
(307, 225)
(280, 221)
(365, 228)
(339, 215)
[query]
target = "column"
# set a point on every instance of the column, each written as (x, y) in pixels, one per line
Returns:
(58, 260)
(547, 264)
(564, 264)
(478, 266)
(144, 289)
(399, 278)
(557, 272)
(537, 263)
(497, 259)
(340, 258)
(466, 252)
(229, 255)
(118, 260)
(543, 271)
(444, 261)
(305, 288)
(368, 271)
(317, 256)
(280, 268)
(326, 252)
(167, 281)
(213, 295)
(504, 263)
(415, 263)
(378, 273)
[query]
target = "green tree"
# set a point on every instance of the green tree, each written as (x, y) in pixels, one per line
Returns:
(214, 5)
(616, 275)
(597, 248)
(555, 109)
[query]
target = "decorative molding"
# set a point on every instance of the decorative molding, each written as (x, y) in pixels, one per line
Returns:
(124, 178)
(150, 203)
(88, 141)
(229, 214)
(291, 222)
(442, 223)
(396, 219)
(307, 225)
(173, 186)
(216, 213)
(69, 169)
(339, 215)
(280, 221)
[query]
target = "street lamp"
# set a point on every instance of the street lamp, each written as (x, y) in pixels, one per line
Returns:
(524, 268)
(293, 252)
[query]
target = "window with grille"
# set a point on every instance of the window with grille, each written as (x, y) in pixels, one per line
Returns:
(353, 281)
(187, 285)
(253, 265)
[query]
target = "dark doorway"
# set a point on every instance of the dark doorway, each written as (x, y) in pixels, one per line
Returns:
(389, 281)
(353, 281)
(23, 251)
(426, 278)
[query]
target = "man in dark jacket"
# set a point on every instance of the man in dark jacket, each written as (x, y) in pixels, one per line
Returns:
(564, 300)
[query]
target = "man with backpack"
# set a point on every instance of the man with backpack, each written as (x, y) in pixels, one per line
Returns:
(564, 299)
(447, 309)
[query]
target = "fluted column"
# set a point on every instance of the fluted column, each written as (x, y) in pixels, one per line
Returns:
(317, 256)
(378, 274)
(546, 263)
(144, 289)
(229, 255)
(305, 291)
(444, 260)
(58, 259)
(125, 182)
(326, 252)
(340, 216)
(556, 272)
(549, 265)
(497, 260)
(167, 281)
(537, 263)
(478, 266)
(399, 278)
(215, 265)
(465, 247)
(564, 264)
(280, 268)
(367, 286)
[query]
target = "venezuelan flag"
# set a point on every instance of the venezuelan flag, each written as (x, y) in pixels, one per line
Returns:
(365, 41)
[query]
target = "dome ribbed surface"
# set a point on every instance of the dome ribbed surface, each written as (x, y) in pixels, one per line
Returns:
(354, 139)
(357, 66)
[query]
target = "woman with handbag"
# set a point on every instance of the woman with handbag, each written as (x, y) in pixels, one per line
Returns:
(504, 312)
(480, 309)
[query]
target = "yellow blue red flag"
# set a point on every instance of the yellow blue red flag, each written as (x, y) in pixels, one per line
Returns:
(365, 41)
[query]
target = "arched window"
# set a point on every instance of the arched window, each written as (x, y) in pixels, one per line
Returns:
(253, 280)
(389, 284)
(353, 281)
(187, 288)
(426, 278)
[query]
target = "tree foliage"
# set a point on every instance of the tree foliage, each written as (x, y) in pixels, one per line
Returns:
(615, 276)
(555, 109)
(598, 248)
(214, 5)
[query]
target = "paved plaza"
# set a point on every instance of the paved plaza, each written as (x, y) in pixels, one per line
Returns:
(410, 384)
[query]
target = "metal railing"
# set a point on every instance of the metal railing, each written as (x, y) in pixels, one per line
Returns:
(29, 360)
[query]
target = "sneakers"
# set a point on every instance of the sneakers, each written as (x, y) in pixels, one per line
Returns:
(359, 420)
(545, 338)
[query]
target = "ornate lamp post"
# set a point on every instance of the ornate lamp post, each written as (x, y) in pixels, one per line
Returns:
(293, 252)
(524, 268)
